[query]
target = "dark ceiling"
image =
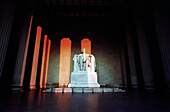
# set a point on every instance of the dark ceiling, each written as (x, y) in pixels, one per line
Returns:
(80, 8)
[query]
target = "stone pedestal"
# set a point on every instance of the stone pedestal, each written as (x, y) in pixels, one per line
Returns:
(83, 79)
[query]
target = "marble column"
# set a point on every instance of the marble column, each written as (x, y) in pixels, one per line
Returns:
(35, 58)
(65, 58)
(86, 43)
(125, 69)
(131, 57)
(22, 53)
(162, 25)
(7, 11)
(45, 60)
(144, 50)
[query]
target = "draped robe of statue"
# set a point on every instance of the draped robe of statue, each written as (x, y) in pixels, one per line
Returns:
(84, 74)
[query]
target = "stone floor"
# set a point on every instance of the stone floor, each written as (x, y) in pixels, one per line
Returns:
(36, 101)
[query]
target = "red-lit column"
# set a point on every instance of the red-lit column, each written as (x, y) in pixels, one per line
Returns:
(35, 59)
(19, 70)
(86, 43)
(65, 55)
(45, 60)
(25, 54)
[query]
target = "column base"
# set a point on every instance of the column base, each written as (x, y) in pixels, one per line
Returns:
(32, 87)
(16, 88)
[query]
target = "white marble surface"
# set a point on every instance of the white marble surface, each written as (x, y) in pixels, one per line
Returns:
(87, 90)
(84, 74)
(108, 90)
(77, 90)
(119, 90)
(84, 62)
(84, 90)
(97, 90)
(83, 79)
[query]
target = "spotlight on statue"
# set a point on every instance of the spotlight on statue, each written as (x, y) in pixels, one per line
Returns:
(84, 74)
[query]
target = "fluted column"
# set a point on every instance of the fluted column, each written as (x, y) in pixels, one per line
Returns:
(65, 58)
(7, 11)
(45, 60)
(86, 43)
(35, 59)
(131, 56)
(144, 50)
(163, 36)
(22, 54)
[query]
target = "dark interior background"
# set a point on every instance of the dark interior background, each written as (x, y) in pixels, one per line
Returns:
(130, 39)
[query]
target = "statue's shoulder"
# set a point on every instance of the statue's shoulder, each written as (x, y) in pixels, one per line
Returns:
(90, 54)
(80, 55)
(75, 54)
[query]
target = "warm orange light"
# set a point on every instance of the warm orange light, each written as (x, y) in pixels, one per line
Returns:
(43, 61)
(35, 58)
(65, 55)
(25, 54)
(46, 64)
(86, 43)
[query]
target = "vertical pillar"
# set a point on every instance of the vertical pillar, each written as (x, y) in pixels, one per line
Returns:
(25, 54)
(145, 57)
(7, 11)
(142, 35)
(65, 55)
(22, 54)
(86, 43)
(125, 69)
(131, 60)
(163, 36)
(133, 52)
(45, 60)
(35, 59)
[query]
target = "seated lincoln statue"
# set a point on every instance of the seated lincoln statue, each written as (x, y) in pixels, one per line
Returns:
(84, 74)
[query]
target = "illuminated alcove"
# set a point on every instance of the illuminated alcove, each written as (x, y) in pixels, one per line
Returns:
(105, 46)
